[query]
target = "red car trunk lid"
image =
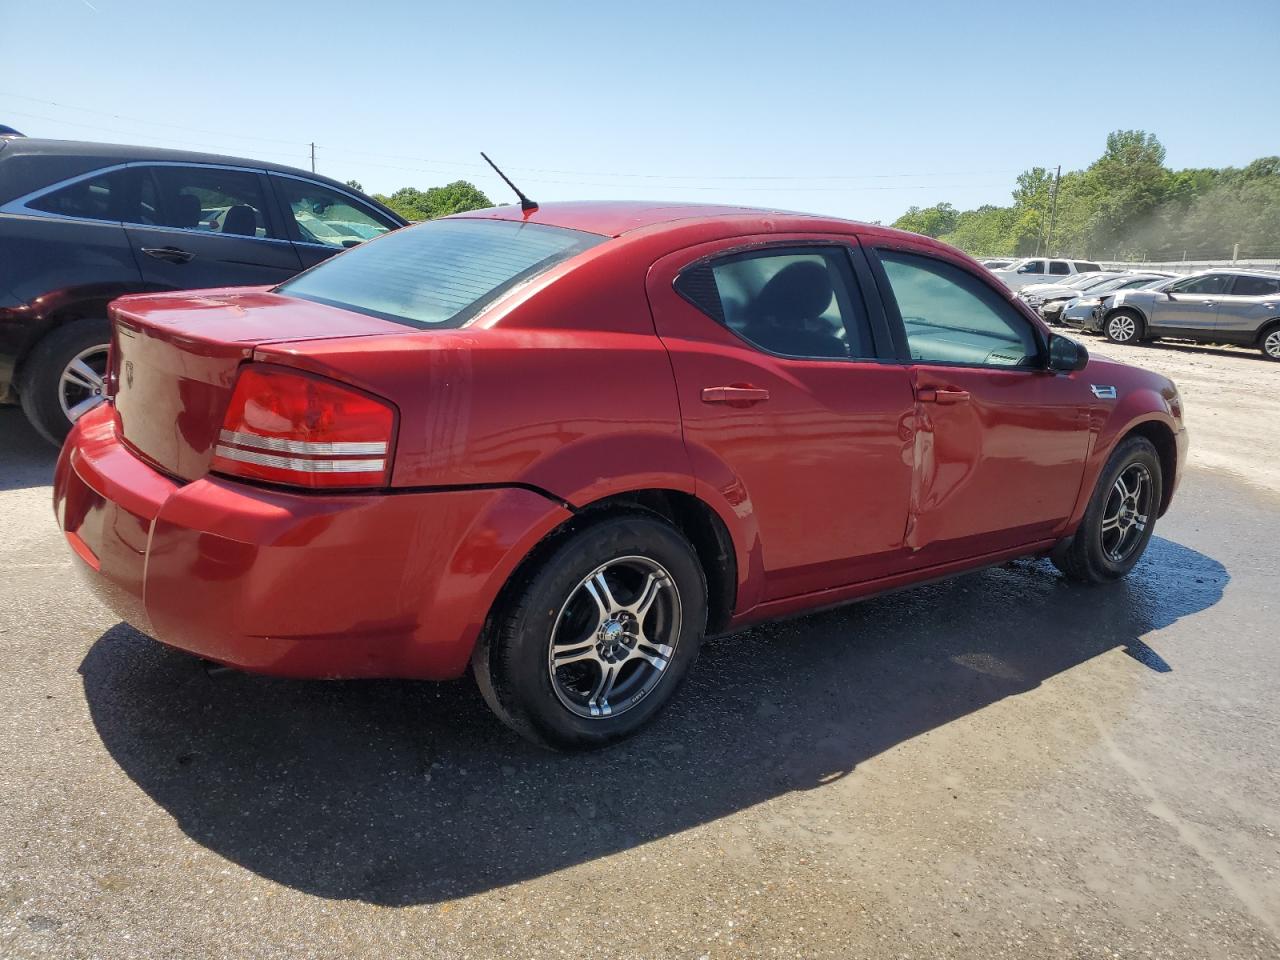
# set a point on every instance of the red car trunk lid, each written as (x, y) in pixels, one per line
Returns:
(175, 357)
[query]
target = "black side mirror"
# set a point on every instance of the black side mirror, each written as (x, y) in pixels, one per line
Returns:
(1066, 355)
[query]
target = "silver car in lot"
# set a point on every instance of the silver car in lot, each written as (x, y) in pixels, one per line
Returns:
(1084, 311)
(1216, 306)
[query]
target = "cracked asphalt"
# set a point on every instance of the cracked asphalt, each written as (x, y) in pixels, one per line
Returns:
(1002, 765)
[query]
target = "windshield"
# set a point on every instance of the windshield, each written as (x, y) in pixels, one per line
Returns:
(1107, 284)
(1087, 281)
(438, 274)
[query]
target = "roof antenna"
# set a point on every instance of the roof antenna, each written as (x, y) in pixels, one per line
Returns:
(525, 203)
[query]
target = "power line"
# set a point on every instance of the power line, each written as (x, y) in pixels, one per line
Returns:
(736, 178)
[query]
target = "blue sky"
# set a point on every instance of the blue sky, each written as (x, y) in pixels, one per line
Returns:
(853, 109)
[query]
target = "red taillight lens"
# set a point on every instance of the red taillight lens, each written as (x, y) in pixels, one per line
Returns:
(288, 427)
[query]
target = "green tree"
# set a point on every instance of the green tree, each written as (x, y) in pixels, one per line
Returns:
(457, 197)
(356, 185)
(931, 221)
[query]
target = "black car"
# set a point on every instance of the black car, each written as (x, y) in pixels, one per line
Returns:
(83, 223)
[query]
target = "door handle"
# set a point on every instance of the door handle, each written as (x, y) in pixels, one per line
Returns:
(943, 396)
(172, 254)
(734, 395)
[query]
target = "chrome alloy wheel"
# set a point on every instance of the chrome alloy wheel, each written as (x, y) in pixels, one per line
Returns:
(1121, 328)
(606, 654)
(80, 388)
(1272, 344)
(1127, 512)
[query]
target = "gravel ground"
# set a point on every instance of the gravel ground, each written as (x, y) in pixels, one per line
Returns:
(998, 766)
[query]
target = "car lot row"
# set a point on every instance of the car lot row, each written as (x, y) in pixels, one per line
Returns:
(1220, 306)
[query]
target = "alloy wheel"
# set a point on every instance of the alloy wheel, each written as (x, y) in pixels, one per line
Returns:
(1127, 512)
(1272, 344)
(614, 637)
(80, 387)
(1121, 328)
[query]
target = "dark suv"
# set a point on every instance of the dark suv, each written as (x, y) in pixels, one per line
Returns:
(83, 223)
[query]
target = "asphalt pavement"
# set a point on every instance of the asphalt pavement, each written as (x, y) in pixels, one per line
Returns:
(1002, 765)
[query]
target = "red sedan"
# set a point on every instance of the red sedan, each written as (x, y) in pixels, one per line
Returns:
(561, 445)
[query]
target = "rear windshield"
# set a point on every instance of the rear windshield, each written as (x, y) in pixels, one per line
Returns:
(438, 274)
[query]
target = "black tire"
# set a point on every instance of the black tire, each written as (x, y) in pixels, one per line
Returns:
(40, 381)
(1082, 557)
(512, 660)
(1123, 326)
(1269, 341)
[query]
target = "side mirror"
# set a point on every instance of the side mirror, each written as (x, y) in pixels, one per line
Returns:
(1066, 355)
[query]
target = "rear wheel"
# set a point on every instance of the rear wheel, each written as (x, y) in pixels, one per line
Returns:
(1270, 342)
(62, 378)
(1123, 326)
(1120, 518)
(594, 640)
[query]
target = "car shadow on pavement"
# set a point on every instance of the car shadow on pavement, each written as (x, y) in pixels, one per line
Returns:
(400, 793)
(26, 458)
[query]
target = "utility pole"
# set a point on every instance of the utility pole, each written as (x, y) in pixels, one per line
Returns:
(1053, 209)
(313, 158)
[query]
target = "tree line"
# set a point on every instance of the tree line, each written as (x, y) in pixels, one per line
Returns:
(414, 204)
(1126, 205)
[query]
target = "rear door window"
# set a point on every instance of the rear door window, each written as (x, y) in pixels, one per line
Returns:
(950, 316)
(1255, 286)
(212, 199)
(438, 274)
(1059, 267)
(799, 302)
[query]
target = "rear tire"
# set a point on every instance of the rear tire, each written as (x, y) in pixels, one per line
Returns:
(1120, 518)
(570, 664)
(1123, 326)
(61, 374)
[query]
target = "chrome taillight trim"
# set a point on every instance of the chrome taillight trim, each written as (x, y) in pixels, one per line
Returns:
(302, 466)
(310, 447)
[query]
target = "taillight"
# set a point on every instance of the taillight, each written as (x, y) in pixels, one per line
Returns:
(302, 430)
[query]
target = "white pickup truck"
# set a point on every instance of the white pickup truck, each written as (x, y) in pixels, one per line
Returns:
(1020, 273)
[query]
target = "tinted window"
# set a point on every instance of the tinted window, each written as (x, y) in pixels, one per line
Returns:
(1032, 266)
(212, 200)
(1087, 267)
(1256, 286)
(107, 196)
(951, 316)
(797, 303)
(1210, 283)
(1059, 267)
(322, 215)
(438, 274)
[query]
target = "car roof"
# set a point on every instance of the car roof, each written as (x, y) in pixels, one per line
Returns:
(50, 161)
(613, 218)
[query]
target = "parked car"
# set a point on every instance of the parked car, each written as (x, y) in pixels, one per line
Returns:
(8, 132)
(1049, 300)
(560, 445)
(1217, 306)
(82, 223)
(1085, 311)
(1030, 270)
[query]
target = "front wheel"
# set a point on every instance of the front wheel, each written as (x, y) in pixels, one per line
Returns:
(1123, 326)
(1120, 518)
(594, 640)
(1270, 343)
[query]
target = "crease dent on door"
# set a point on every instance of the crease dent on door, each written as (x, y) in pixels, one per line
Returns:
(943, 460)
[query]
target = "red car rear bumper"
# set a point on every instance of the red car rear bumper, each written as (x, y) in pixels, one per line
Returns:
(301, 585)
